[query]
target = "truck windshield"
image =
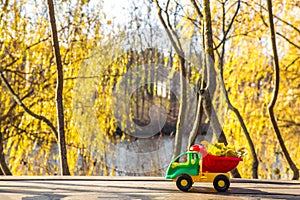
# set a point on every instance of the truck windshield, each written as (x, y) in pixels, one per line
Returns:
(187, 157)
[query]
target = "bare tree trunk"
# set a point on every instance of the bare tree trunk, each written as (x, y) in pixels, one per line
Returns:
(201, 84)
(59, 94)
(182, 108)
(211, 80)
(209, 50)
(208, 86)
(196, 126)
(240, 118)
(275, 94)
(211, 75)
(212, 116)
(231, 107)
(174, 39)
(4, 170)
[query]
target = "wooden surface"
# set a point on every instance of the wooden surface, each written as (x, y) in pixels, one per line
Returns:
(88, 188)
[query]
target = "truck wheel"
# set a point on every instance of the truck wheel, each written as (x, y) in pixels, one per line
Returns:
(221, 183)
(184, 182)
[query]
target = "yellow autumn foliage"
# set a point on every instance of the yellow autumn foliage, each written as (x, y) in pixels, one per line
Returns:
(28, 63)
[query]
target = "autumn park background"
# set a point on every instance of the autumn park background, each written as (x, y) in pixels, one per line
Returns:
(79, 77)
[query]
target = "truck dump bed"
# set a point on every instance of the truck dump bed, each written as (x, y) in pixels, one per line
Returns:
(216, 164)
(220, 164)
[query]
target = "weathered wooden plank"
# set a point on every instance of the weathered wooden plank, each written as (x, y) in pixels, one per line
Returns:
(138, 188)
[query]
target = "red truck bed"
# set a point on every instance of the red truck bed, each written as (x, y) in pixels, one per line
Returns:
(218, 164)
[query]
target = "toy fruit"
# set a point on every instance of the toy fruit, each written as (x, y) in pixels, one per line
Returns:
(199, 166)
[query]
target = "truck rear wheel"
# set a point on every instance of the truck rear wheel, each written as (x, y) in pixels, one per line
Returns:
(221, 183)
(184, 182)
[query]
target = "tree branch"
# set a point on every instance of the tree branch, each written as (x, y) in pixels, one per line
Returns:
(275, 94)
(230, 25)
(26, 109)
(197, 8)
(59, 93)
(293, 62)
(166, 27)
(288, 40)
(13, 106)
(282, 20)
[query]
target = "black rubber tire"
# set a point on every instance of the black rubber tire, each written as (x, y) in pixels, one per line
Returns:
(184, 182)
(221, 183)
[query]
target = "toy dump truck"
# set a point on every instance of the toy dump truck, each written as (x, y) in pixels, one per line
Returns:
(197, 165)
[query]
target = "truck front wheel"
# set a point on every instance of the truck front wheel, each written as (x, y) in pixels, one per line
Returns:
(221, 183)
(184, 182)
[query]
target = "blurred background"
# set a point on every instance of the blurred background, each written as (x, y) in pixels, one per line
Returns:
(114, 49)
